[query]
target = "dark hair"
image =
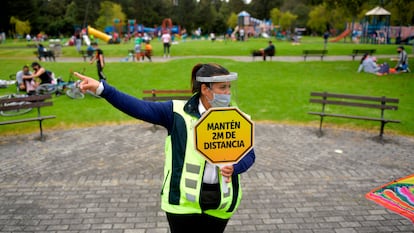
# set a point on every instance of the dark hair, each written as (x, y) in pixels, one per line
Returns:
(35, 64)
(401, 47)
(94, 44)
(364, 57)
(205, 70)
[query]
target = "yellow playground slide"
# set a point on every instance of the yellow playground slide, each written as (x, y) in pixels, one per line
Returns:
(98, 34)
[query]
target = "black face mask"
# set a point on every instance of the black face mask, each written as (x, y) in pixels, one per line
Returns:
(399, 51)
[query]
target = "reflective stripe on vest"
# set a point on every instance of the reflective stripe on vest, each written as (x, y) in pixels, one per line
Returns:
(183, 173)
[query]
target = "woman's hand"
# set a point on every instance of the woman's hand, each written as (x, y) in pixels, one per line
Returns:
(227, 172)
(87, 83)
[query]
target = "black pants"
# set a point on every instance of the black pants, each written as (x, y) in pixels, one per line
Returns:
(100, 71)
(191, 223)
(166, 48)
(210, 199)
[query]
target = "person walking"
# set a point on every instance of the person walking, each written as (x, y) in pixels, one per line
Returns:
(325, 39)
(192, 193)
(166, 40)
(100, 61)
(78, 39)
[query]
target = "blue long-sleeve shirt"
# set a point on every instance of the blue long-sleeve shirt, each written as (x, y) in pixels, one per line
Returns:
(160, 113)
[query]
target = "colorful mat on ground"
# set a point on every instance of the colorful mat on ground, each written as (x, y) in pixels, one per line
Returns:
(397, 196)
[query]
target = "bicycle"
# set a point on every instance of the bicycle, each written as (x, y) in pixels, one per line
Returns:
(70, 88)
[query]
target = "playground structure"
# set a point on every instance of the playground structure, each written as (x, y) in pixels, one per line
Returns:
(375, 28)
(342, 35)
(98, 34)
(252, 26)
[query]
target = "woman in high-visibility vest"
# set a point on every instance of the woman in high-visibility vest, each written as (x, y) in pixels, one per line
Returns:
(196, 195)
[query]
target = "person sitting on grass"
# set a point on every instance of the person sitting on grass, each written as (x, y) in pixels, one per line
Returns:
(41, 73)
(402, 60)
(369, 64)
(21, 83)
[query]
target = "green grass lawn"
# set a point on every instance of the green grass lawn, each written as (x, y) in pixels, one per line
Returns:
(205, 47)
(268, 91)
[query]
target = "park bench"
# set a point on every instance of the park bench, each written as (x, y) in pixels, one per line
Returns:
(34, 101)
(86, 54)
(258, 53)
(328, 100)
(164, 95)
(47, 55)
(357, 52)
(311, 52)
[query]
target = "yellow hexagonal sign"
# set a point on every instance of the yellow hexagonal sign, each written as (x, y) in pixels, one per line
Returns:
(224, 135)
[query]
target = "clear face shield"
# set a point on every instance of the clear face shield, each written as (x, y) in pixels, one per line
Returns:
(224, 88)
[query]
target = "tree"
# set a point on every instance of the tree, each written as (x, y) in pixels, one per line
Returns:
(286, 20)
(318, 19)
(236, 6)
(20, 27)
(275, 15)
(232, 20)
(205, 15)
(399, 13)
(183, 14)
(322, 18)
(108, 13)
(261, 8)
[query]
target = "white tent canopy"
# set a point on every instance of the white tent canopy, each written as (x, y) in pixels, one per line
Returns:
(378, 11)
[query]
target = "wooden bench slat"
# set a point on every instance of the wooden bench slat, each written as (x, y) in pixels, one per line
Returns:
(27, 98)
(26, 120)
(354, 104)
(25, 105)
(353, 117)
(34, 101)
(356, 97)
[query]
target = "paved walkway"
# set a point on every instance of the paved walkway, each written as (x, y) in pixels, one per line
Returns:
(235, 58)
(108, 179)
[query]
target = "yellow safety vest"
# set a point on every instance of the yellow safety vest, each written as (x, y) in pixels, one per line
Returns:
(184, 169)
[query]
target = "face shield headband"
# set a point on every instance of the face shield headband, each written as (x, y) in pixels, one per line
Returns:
(220, 78)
